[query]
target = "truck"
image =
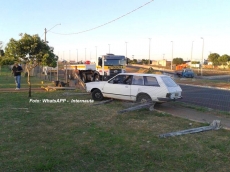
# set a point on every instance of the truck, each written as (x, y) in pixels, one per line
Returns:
(106, 67)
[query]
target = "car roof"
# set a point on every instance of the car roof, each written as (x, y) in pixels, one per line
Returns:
(142, 74)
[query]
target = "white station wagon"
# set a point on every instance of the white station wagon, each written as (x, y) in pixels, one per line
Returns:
(136, 87)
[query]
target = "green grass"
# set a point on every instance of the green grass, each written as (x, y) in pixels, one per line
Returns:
(81, 137)
(7, 79)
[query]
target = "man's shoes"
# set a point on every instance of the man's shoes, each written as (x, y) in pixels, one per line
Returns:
(17, 89)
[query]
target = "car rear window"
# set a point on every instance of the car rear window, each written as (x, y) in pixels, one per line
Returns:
(168, 81)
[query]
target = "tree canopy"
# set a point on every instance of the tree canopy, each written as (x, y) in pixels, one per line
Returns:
(213, 57)
(178, 61)
(31, 50)
(224, 59)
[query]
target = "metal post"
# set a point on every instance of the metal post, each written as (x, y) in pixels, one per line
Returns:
(85, 54)
(45, 34)
(172, 55)
(66, 72)
(149, 49)
(202, 60)
(57, 67)
(50, 74)
(96, 55)
(126, 49)
(103, 70)
(49, 30)
(109, 48)
(191, 53)
(77, 55)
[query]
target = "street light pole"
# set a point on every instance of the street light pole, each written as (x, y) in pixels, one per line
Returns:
(69, 55)
(57, 66)
(126, 49)
(202, 60)
(109, 48)
(191, 54)
(172, 55)
(149, 49)
(96, 55)
(85, 54)
(77, 55)
(50, 29)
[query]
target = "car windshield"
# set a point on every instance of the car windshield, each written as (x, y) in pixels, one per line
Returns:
(114, 62)
(168, 81)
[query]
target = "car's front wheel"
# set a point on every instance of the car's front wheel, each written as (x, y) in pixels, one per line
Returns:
(144, 98)
(97, 95)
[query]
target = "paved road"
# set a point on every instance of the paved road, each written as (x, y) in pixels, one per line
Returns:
(207, 97)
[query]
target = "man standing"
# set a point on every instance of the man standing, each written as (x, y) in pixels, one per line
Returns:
(16, 70)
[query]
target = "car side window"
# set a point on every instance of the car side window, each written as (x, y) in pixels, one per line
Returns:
(137, 80)
(121, 79)
(128, 79)
(151, 81)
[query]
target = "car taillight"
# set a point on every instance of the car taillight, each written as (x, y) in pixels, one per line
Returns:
(168, 95)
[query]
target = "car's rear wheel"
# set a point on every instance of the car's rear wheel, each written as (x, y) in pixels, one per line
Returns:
(144, 98)
(97, 95)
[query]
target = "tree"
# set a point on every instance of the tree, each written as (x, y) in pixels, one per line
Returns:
(213, 57)
(1, 53)
(145, 61)
(178, 61)
(224, 59)
(32, 51)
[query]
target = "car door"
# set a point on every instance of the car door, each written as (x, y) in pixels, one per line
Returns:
(118, 87)
(145, 84)
(136, 86)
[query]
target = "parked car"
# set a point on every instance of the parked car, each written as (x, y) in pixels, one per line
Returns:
(185, 73)
(136, 87)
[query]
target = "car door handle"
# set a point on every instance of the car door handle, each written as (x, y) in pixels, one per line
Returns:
(126, 86)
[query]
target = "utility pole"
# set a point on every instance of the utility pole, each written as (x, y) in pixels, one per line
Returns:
(191, 54)
(96, 55)
(126, 49)
(149, 49)
(77, 55)
(202, 60)
(45, 34)
(49, 30)
(172, 55)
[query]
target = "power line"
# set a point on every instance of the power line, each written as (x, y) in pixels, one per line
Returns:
(106, 22)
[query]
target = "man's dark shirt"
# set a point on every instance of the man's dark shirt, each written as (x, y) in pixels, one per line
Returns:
(16, 69)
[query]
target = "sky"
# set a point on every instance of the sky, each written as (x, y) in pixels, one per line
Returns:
(162, 29)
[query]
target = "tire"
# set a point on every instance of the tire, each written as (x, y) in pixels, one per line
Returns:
(97, 95)
(143, 98)
(96, 78)
(83, 77)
